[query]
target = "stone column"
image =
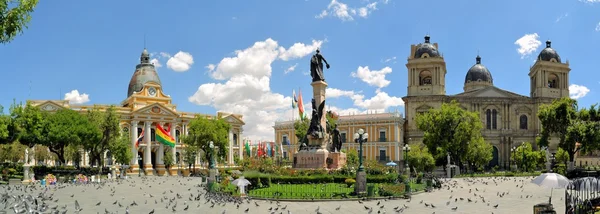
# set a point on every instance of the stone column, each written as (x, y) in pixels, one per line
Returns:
(319, 96)
(173, 132)
(160, 164)
(148, 151)
(134, 136)
(174, 149)
(230, 150)
(241, 146)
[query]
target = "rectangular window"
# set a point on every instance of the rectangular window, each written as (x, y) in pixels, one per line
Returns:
(382, 136)
(488, 119)
(343, 135)
(494, 119)
(382, 155)
(284, 140)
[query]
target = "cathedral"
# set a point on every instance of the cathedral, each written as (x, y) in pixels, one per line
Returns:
(509, 119)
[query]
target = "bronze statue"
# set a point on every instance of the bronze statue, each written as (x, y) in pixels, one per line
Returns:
(337, 139)
(316, 129)
(316, 66)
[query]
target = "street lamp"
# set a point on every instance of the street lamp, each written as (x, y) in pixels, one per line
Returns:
(360, 186)
(211, 162)
(361, 137)
(406, 149)
(523, 152)
(513, 150)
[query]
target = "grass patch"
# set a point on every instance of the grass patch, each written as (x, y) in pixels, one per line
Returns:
(303, 191)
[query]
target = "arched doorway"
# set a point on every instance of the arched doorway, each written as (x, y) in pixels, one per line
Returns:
(495, 157)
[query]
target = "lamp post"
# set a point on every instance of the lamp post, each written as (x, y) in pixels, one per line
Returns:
(361, 137)
(406, 149)
(211, 162)
(523, 152)
(360, 186)
(512, 150)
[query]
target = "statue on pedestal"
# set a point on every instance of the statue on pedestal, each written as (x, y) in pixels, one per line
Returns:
(315, 129)
(316, 66)
(27, 156)
(336, 143)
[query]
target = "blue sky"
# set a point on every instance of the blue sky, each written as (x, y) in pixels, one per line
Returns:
(238, 55)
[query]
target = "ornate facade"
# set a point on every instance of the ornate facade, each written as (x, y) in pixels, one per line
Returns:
(385, 135)
(509, 119)
(146, 107)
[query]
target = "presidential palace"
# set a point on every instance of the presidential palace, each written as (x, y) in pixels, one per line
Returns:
(146, 107)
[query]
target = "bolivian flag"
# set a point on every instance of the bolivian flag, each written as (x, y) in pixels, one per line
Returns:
(164, 137)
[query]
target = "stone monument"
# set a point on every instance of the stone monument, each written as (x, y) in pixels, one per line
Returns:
(314, 152)
(26, 166)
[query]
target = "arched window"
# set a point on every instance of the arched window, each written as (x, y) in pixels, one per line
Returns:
(235, 143)
(152, 136)
(139, 132)
(494, 119)
(523, 122)
(425, 78)
(177, 133)
(488, 119)
(552, 81)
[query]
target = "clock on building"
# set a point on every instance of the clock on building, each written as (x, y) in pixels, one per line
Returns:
(152, 91)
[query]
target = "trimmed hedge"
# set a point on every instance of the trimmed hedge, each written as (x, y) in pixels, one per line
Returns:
(66, 171)
(267, 179)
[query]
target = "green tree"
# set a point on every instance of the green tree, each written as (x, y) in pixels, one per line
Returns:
(420, 159)
(27, 125)
(105, 132)
(563, 119)
(121, 149)
(63, 128)
(168, 158)
(189, 155)
(525, 157)
(5, 122)
(479, 154)
(72, 153)
(12, 152)
(14, 17)
(449, 130)
(352, 158)
(301, 128)
(202, 130)
(561, 156)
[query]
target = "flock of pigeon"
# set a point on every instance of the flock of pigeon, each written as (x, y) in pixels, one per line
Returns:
(185, 195)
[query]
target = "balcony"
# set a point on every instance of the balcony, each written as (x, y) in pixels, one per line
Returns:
(382, 139)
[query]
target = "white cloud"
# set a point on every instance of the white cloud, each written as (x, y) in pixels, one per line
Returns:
(345, 13)
(299, 50)
(528, 44)
(389, 60)
(380, 102)
(290, 69)
(75, 98)
(590, 1)
(373, 78)
(598, 27)
(562, 17)
(156, 63)
(180, 62)
(247, 89)
(577, 91)
(334, 93)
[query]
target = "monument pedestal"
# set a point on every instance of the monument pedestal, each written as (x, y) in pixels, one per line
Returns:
(338, 160)
(160, 169)
(360, 187)
(311, 159)
(26, 177)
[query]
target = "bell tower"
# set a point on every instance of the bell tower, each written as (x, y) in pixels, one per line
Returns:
(549, 77)
(426, 70)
